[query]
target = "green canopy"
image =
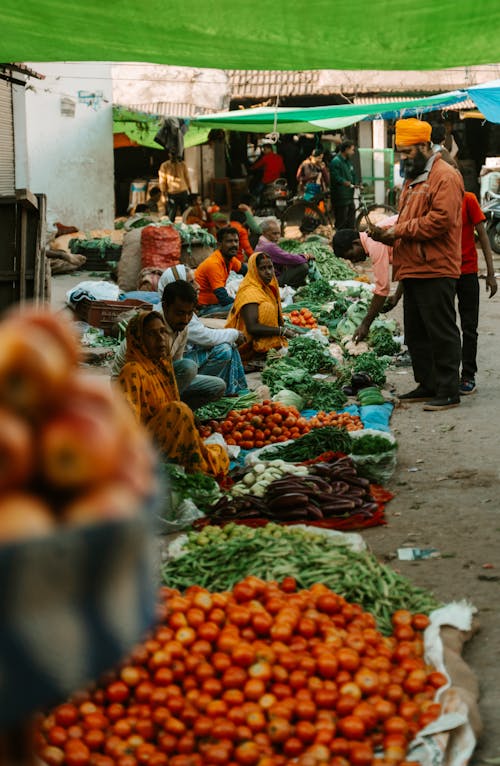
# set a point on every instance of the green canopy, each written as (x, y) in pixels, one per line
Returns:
(142, 128)
(284, 34)
(314, 119)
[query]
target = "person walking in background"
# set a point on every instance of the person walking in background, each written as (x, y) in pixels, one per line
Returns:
(313, 171)
(342, 185)
(175, 183)
(468, 287)
(427, 258)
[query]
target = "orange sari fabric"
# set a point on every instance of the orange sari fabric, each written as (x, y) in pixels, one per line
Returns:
(151, 390)
(267, 297)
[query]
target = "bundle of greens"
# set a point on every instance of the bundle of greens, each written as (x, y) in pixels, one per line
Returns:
(219, 409)
(319, 291)
(283, 374)
(322, 395)
(382, 342)
(310, 354)
(329, 266)
(201, 489)
(370, 444)
(372, 366)
(316, 442)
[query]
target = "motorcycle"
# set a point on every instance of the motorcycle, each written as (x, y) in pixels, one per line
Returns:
(274, 198)
(491, 209)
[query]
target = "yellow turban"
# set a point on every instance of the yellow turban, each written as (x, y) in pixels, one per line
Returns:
(411, 131)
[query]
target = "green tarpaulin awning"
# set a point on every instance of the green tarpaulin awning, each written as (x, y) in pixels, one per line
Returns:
(142, 128)
(284, 34)
(314, 119)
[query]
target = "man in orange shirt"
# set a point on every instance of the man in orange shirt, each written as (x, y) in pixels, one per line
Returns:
(212, 274)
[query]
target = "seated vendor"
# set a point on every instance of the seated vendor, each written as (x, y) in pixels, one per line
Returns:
(212, 274)
(149, 385)
(290, 268)
(256, 311)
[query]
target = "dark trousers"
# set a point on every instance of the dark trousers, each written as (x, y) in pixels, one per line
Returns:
(431, 333)
(180, 200)
(295, 276)
(344, 216)
(468, 308)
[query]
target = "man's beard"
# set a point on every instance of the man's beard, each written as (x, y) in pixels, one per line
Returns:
(416, 165)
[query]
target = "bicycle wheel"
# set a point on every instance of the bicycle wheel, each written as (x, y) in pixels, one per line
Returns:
(301, 218)
(375, 213)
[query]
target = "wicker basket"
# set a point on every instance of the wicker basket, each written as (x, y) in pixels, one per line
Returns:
(105, 314)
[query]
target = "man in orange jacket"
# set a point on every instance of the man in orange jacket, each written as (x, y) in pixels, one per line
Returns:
(427, 260)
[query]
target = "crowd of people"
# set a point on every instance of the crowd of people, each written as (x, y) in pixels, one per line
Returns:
(171, 363)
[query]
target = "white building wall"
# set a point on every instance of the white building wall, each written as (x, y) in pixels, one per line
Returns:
(70, 142)
(200, 89)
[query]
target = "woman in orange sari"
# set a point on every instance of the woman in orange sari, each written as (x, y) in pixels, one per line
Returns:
(256, 310)
(147, 379)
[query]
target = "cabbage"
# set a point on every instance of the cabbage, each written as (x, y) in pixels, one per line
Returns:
(290, 398)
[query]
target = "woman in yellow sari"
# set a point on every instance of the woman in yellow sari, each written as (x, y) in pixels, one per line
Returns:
(256, 310)
(147, 379)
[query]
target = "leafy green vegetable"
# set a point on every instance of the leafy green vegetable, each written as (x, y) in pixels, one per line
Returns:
(372, 365)
(319, 291)
(219, 409)
(322, 395)
(282, 374)
(201, 489)
(382, 342)
(317, 441)
(310, 354)
(370, 444)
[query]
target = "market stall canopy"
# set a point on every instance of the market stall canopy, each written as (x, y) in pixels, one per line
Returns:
(314, 119)
(487, 98)
(287, 34)
(142, 127)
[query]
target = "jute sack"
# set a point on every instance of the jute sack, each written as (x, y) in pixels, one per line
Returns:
(129, 264)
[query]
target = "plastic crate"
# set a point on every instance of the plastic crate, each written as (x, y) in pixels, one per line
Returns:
(105, 314)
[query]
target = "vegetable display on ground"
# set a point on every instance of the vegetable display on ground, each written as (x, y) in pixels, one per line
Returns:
(259, 425)
(220, 408)
(329, 266)
(261, 675)
(318, 440)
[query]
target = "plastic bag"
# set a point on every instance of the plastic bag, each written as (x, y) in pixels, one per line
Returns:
(286, 295)
(377, 468)
(233, 282)
(180, 518)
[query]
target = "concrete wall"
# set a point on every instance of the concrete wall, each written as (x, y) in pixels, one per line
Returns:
(70, 142)
(196, 90)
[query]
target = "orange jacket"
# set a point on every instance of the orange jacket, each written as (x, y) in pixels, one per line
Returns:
(429, 227)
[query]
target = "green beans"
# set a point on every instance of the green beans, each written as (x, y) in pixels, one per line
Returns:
(274, 552)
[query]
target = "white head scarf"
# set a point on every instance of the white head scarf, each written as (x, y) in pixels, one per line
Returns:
(173, 274)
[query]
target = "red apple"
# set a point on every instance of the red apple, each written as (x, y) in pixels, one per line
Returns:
(16, 451)
(22, 516)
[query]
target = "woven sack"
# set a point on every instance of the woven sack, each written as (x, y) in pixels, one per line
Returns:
(160, 247)
(129, 264)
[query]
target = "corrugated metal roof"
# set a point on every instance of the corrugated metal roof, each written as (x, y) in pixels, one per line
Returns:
(467, 103)
(12, 67)
(171, 109)
(255, 83)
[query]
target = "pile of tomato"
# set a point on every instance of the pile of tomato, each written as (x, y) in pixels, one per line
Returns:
(261, 424)
(337, 419)
(303, 318)
(260, 676)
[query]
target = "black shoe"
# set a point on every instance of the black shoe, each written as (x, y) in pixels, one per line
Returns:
(445, 403)
(419, 394)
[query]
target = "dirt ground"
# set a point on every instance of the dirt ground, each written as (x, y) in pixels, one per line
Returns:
(445, 487)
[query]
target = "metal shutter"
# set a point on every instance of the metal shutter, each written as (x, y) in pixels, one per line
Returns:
(7, 177)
